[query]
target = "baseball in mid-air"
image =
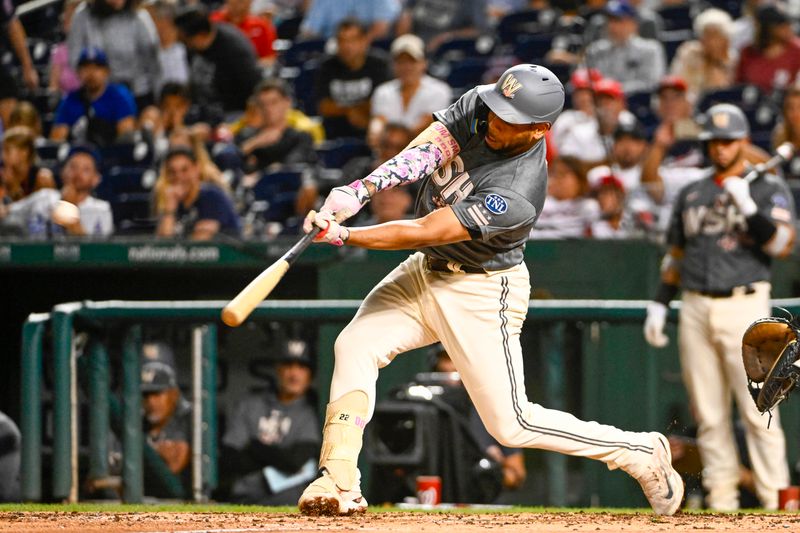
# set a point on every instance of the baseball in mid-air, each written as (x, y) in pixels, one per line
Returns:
(66, 213)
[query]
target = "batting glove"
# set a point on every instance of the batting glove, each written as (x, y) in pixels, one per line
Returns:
(346, 201)
(739, 191)
(331, 231)
(654, 325)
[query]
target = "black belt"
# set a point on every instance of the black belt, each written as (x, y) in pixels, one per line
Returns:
(743, 289)
(441, 265)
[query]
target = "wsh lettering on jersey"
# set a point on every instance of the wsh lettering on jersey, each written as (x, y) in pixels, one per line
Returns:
(720, 219)
(452, 182)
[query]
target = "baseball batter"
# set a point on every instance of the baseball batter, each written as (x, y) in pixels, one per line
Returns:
(723, 235)
(483, 178)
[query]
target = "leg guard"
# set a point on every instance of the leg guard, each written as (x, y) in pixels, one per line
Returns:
(342, 437)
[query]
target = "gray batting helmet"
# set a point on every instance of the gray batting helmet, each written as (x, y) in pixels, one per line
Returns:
(724, 121)
(525, 94)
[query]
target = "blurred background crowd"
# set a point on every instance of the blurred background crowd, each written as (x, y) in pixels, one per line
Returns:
(202, 119)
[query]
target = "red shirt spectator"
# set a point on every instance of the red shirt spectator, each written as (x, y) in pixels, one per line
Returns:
(260, 31)
(773, 61)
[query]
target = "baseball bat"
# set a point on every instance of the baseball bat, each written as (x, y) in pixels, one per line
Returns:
(257, 290)
(783, 153)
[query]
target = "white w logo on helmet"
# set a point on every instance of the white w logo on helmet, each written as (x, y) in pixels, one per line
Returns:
(510, 86)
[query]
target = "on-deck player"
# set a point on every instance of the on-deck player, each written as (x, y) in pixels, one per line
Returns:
(483, 178)
(722, 236)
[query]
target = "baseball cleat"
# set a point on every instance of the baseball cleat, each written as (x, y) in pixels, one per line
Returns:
(323, 498)
(662, 485)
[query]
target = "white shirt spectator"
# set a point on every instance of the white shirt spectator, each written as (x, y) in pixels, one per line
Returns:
(174, 65)
(566, 219)
(432, 95)
(33, 215)
(563, 125)
(582, 138)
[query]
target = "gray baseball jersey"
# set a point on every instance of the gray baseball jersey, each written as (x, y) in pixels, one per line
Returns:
(719, 254)
(497, 198)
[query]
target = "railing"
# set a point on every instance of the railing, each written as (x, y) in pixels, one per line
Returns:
(64, 319)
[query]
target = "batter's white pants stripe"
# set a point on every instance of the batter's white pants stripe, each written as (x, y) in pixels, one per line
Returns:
(518, 410)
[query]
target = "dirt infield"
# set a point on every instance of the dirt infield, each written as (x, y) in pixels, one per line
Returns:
(404, 522)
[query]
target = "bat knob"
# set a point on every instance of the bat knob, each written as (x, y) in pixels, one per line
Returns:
(232, 318)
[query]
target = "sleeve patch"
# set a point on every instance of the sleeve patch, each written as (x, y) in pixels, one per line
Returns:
(496, 204)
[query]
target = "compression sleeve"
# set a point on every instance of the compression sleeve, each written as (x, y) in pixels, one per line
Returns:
(406, 167)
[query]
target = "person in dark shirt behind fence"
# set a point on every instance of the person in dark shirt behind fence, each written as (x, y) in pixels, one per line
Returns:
(271, 445)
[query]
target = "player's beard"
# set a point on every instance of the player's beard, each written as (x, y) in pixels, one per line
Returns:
(512, 150)
(734, 161)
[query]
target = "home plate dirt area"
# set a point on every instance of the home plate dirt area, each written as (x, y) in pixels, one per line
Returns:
(406, 522)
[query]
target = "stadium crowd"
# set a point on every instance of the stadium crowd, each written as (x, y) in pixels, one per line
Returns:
(198, 119)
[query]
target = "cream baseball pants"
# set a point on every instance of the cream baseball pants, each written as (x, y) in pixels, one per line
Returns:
(478, 319)
(710, 334)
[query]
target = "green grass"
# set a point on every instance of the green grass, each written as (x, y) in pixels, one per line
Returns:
(228, 508)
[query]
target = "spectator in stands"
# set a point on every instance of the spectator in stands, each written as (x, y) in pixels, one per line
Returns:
(99, 112)
(582, 113)
(80, 176)
(788, 130)
(744, 28)
(627, 153)
(625, 56)
(613, 222)
(10, 458)
(260, 31)
(387, 207)
(568, 210)
(773, 60)
(437, 21)
(295, 119)
(412, 97)
(188, 206)
(274, 143)
(394, 138)
(707, 62)
(324, 18)
(270, 448)
(63, 78)
(20, 176)
(128, 38)
(225, 68)
(11, 31)
(345, 82)
(171, 51)
(25, 114)
(590, 140)
(167, 415)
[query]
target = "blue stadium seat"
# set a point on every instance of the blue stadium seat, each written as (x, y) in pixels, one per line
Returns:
(672, 40)
(523, 23)
(335, 153)
(288, 28)
(51, 153)
(466, 73)
(135, 154)
(133, 213)
(123, 180)
(733, 7)
(745, 96)
(561, 70)
(302, 81)
(678, 17)
(533, 48)
(463, 47)
(302, 51)
(279, 190)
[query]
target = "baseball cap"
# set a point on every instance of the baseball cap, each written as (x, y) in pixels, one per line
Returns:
(408, 44)
(620, 9)
(87, 149)
(584, 78)
(294, 351)
(602, 176)
(609, 181)
(772, 15)
(609, 87)
(92, 55)
(632, 128)
(672, 82)
(157, 376)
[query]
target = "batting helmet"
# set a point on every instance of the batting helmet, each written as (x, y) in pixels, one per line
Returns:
(724, 121)
(525, 94)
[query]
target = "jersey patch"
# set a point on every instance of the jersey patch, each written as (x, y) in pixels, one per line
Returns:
(496, 204)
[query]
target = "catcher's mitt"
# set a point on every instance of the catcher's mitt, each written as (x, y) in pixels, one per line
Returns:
(770, 352)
